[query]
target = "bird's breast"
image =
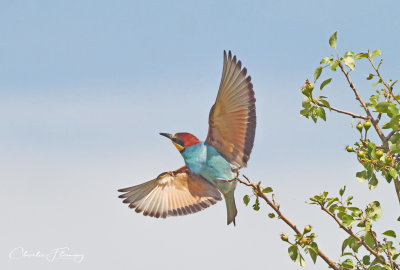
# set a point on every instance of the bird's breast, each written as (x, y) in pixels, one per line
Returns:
(195, 157)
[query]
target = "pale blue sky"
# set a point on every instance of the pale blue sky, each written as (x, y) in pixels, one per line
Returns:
(85, 87)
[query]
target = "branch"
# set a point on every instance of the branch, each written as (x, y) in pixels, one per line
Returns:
(341, 111)
(358, 97)
(380, 77)
(350, 232)
(397, 187)
(275, 207)
(387, 251)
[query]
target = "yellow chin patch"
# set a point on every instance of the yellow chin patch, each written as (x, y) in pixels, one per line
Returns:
(179, 147)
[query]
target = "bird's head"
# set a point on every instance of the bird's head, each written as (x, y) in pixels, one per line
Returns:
(182, 140)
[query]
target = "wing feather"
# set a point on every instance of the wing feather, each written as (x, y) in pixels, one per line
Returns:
(174, 193)
(232, 120)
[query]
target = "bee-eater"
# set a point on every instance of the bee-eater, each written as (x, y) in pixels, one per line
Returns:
(211, 166)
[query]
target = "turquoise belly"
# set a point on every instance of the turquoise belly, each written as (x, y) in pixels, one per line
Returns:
(204, 160)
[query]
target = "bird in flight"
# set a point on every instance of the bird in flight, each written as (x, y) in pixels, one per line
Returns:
(212, 166)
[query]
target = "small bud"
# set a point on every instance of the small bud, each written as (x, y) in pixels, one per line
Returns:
(379, 153)
(349, 148)
(367, 124)
(307, 88)
(284, 237)
(305, 241)
(388, 158)
(359, 126)
(307, 229)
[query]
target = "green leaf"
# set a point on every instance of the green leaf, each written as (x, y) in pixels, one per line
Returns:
(300, 260)
(347, 220)
(324, 83)
(398, 219)
(373, 210)
(375, 267)
(332, 40)
(321, 113)
(375, 53)
(348, 53)
(382, 107)
(393, 172)
(373, 182)
(293, 252)
(390, 233)
(354, 244)
(306, 103)
(361, 176)
(271, 215)
(267, 190)
(345, 244)
(334, 65)
(360, 56)
(349, 61)
(342, 190)
(395, 138)
(370, 76)
(305, 113)
(313, 250)
(325, 103)
(256, 205)
(317, 73)
(348, 264)
(375, 84)
(366, 260)
(369, 240)
(326, 60)
(246, 199)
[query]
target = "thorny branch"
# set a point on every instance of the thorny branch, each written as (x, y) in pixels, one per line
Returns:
(275, 207)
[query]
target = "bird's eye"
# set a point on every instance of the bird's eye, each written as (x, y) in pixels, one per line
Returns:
(178, 141)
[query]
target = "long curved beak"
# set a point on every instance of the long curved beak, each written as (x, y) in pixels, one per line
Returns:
(169, 136)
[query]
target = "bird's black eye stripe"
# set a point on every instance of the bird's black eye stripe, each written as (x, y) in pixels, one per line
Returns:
(178, 141)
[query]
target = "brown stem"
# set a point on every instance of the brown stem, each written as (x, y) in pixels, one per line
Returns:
(344, 112)
(397, 187)
(358, 97)
(275, 207)
(388, 254)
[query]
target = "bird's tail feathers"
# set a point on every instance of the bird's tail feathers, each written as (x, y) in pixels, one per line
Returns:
(230, 207)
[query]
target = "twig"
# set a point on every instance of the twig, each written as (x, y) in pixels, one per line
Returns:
(387, 251)
(397, 187)
(391, 133)
(344, 112)
(375, 240)
(358, 260)
(275, 207)
(358, 97)
(380, 77)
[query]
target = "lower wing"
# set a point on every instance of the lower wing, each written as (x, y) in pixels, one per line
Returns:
(175, 193)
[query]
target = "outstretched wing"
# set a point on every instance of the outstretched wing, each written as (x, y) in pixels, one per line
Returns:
(232, 120)
(174, 193)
